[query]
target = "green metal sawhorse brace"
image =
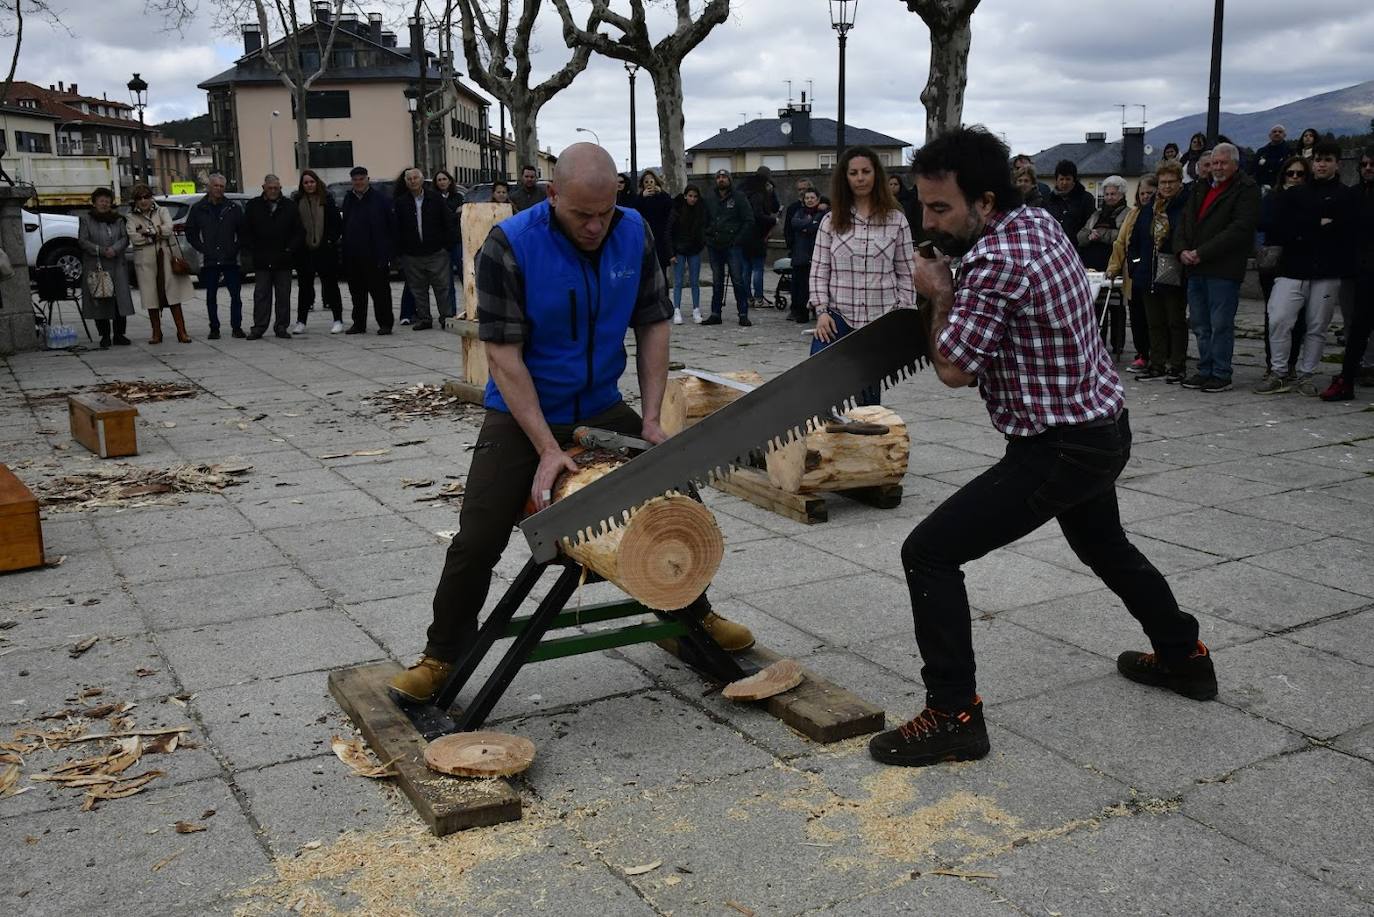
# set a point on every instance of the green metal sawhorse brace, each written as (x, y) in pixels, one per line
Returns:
(696, 646)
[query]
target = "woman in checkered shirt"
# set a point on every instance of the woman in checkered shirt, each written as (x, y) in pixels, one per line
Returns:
(862, 263)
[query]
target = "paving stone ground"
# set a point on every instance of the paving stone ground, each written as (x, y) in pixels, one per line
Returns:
(224, 613)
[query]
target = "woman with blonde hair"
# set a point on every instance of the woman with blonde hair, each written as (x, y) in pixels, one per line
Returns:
(156, 249)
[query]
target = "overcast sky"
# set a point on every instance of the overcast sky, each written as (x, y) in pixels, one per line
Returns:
(1041, 71)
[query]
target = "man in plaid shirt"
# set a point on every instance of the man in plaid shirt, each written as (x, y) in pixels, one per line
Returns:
(1016, 316)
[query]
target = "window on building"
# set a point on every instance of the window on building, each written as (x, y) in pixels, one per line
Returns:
(343, 57)
(775, 163)
(30, 142)
(4, 142)
(221, 115)
(328, 103)
(310, 60)
(716, 163)
(825, 160)
(331, 154)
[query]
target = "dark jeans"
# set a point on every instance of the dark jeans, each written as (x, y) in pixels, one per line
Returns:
(1114, 328)
(210, 278)
(271, 299)
(872, 394)
(1140, 326)
(1166, 311)
(1066, 473)
(1357, 335)
(367, 279)
(1212, 304)
(120, 322)
(497, 489)
(322, 263)
(801, 290)
(731, 259)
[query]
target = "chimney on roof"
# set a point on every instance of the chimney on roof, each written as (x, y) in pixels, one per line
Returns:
(797, 120)
(252, 38)
(322, 11)
(388, 39)
(417, 38)
(374, 27)
(1132, 150)
(1095, 137)
(74, 92)
(60, 87)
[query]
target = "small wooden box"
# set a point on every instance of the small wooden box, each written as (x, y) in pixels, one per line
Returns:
(21, 534)
(103, 424)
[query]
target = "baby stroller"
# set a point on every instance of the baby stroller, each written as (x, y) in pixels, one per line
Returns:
(781, 293)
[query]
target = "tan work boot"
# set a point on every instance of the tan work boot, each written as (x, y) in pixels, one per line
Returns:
(732, 637)
(422, 681)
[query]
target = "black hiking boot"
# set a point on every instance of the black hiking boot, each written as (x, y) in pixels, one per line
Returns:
(934, 736)
(1193, 677)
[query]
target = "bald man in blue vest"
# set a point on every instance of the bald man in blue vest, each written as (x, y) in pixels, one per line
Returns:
(558, 286)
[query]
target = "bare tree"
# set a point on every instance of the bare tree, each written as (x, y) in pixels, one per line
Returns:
(435, 103)
(282, 23)
(489, 46)
(16, 9)
(663, 61)
(951, 36)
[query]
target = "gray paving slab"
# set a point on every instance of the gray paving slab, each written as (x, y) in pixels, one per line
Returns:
(1223, 533)
(316, 799)
(1152, 740)
(1357, 457)
(270, 720)
(1350, 636)
(397, 571)
(1168, 558)
(193, 557)
(1151, 865)
(310, 544)
(39, 681)
(1333, 562)
(758, 566)
(1317, 511)
(1184, 453)
(222, 597)
(62, 622)
(314, 508)
(843, 611)
(1307, 690)
(284, 644)
(1329, 789)
(1199, 485)
(190, 520)
(84, 571)
(1361, 490)
(1004, 580)
(75, 863)
(926, 895)
(1257, 597)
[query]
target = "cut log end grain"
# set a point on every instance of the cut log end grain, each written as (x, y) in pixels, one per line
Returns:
(783, 675)
(480, 754)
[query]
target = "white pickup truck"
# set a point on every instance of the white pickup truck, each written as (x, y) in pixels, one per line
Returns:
(50, 238)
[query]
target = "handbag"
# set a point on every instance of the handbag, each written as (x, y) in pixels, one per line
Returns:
(100, 284)
(1168, 270)
(1267, 258)
(180, 266)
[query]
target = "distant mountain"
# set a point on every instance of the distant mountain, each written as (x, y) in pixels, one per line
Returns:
(187, 130)
(1345, 111)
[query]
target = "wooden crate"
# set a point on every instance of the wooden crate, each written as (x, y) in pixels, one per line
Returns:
(103, 424)
(21, 534)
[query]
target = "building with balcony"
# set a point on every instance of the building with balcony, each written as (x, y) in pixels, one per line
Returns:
(86, 126)
(358, 112)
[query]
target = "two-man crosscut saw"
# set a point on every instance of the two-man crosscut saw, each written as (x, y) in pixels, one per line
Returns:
(774, 414)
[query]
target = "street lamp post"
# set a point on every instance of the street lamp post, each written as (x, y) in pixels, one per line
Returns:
(272, 142)
(632, 69)
(841, 20)
(138, 92)
(413, 104)
(1214, 80)
(588, 130)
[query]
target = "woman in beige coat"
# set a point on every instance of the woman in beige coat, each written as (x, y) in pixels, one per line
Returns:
(155, 243)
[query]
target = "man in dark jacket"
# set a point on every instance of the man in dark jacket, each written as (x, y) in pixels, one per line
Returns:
(212, 228)
(728, 220)
(272, 234)
(1342, 388)
(1069, 202)
(528, 193)
(1269, 159)
(1316, 223)
(369, 244)
(1214, 242)
(425, 231)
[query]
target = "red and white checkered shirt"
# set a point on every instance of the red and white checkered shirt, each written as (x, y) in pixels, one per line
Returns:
(865, 272)
(1023, 322)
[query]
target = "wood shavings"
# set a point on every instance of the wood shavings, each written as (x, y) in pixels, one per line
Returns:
(353, 753)
(130, 485)
(167, 859)
(448, 493)
(81, 647)
(417, 482)
(9, 776)
(359, 452)
(417, 401)
(735, 905)
(143, 671)
(188, 827)
(128, 392)
(641, 870)
(121, 789)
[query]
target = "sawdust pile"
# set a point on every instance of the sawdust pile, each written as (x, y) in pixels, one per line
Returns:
(399, 871)
(419, 401)
(131, 485)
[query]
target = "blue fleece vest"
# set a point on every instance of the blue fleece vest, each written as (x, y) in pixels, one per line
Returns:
(576, 313)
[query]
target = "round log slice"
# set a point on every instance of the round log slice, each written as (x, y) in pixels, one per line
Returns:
(480, 754)
(783, 675)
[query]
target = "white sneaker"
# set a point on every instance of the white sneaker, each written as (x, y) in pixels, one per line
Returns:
(298, 328)
(336, 328)
(405, 321)
(677, 316)
(696, 316)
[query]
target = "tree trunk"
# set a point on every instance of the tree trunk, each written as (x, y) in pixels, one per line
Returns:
(664, 557)
(524, 117)
(672, 146)
(943, 96)
(301, 159)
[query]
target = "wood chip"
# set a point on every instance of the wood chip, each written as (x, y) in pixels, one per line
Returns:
(188, 827)
(162, 745)
(9, 776)
(960, 874)
(129, 733)
(353, 753)
(144, 671)
(783, 675)
(747, 912)
(641, 870)
(82, 646)
(124, 485)
(167, 859)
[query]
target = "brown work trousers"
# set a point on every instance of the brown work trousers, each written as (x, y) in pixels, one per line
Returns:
(498, 486)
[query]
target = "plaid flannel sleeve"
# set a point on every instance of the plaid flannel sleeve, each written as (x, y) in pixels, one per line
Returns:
(989, 287)
(652, 304)
(500, 292)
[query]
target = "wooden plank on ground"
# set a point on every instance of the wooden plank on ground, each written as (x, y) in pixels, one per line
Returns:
(465, 391)
(881, 496)
(817, 708)
(753, 485)
(447, 804)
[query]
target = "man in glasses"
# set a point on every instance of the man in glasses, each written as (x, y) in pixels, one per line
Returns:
(1342, 387)
(1269, 159)
(1315, 223)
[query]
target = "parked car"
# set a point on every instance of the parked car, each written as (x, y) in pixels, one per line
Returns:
(179, 207)
(50, 239)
